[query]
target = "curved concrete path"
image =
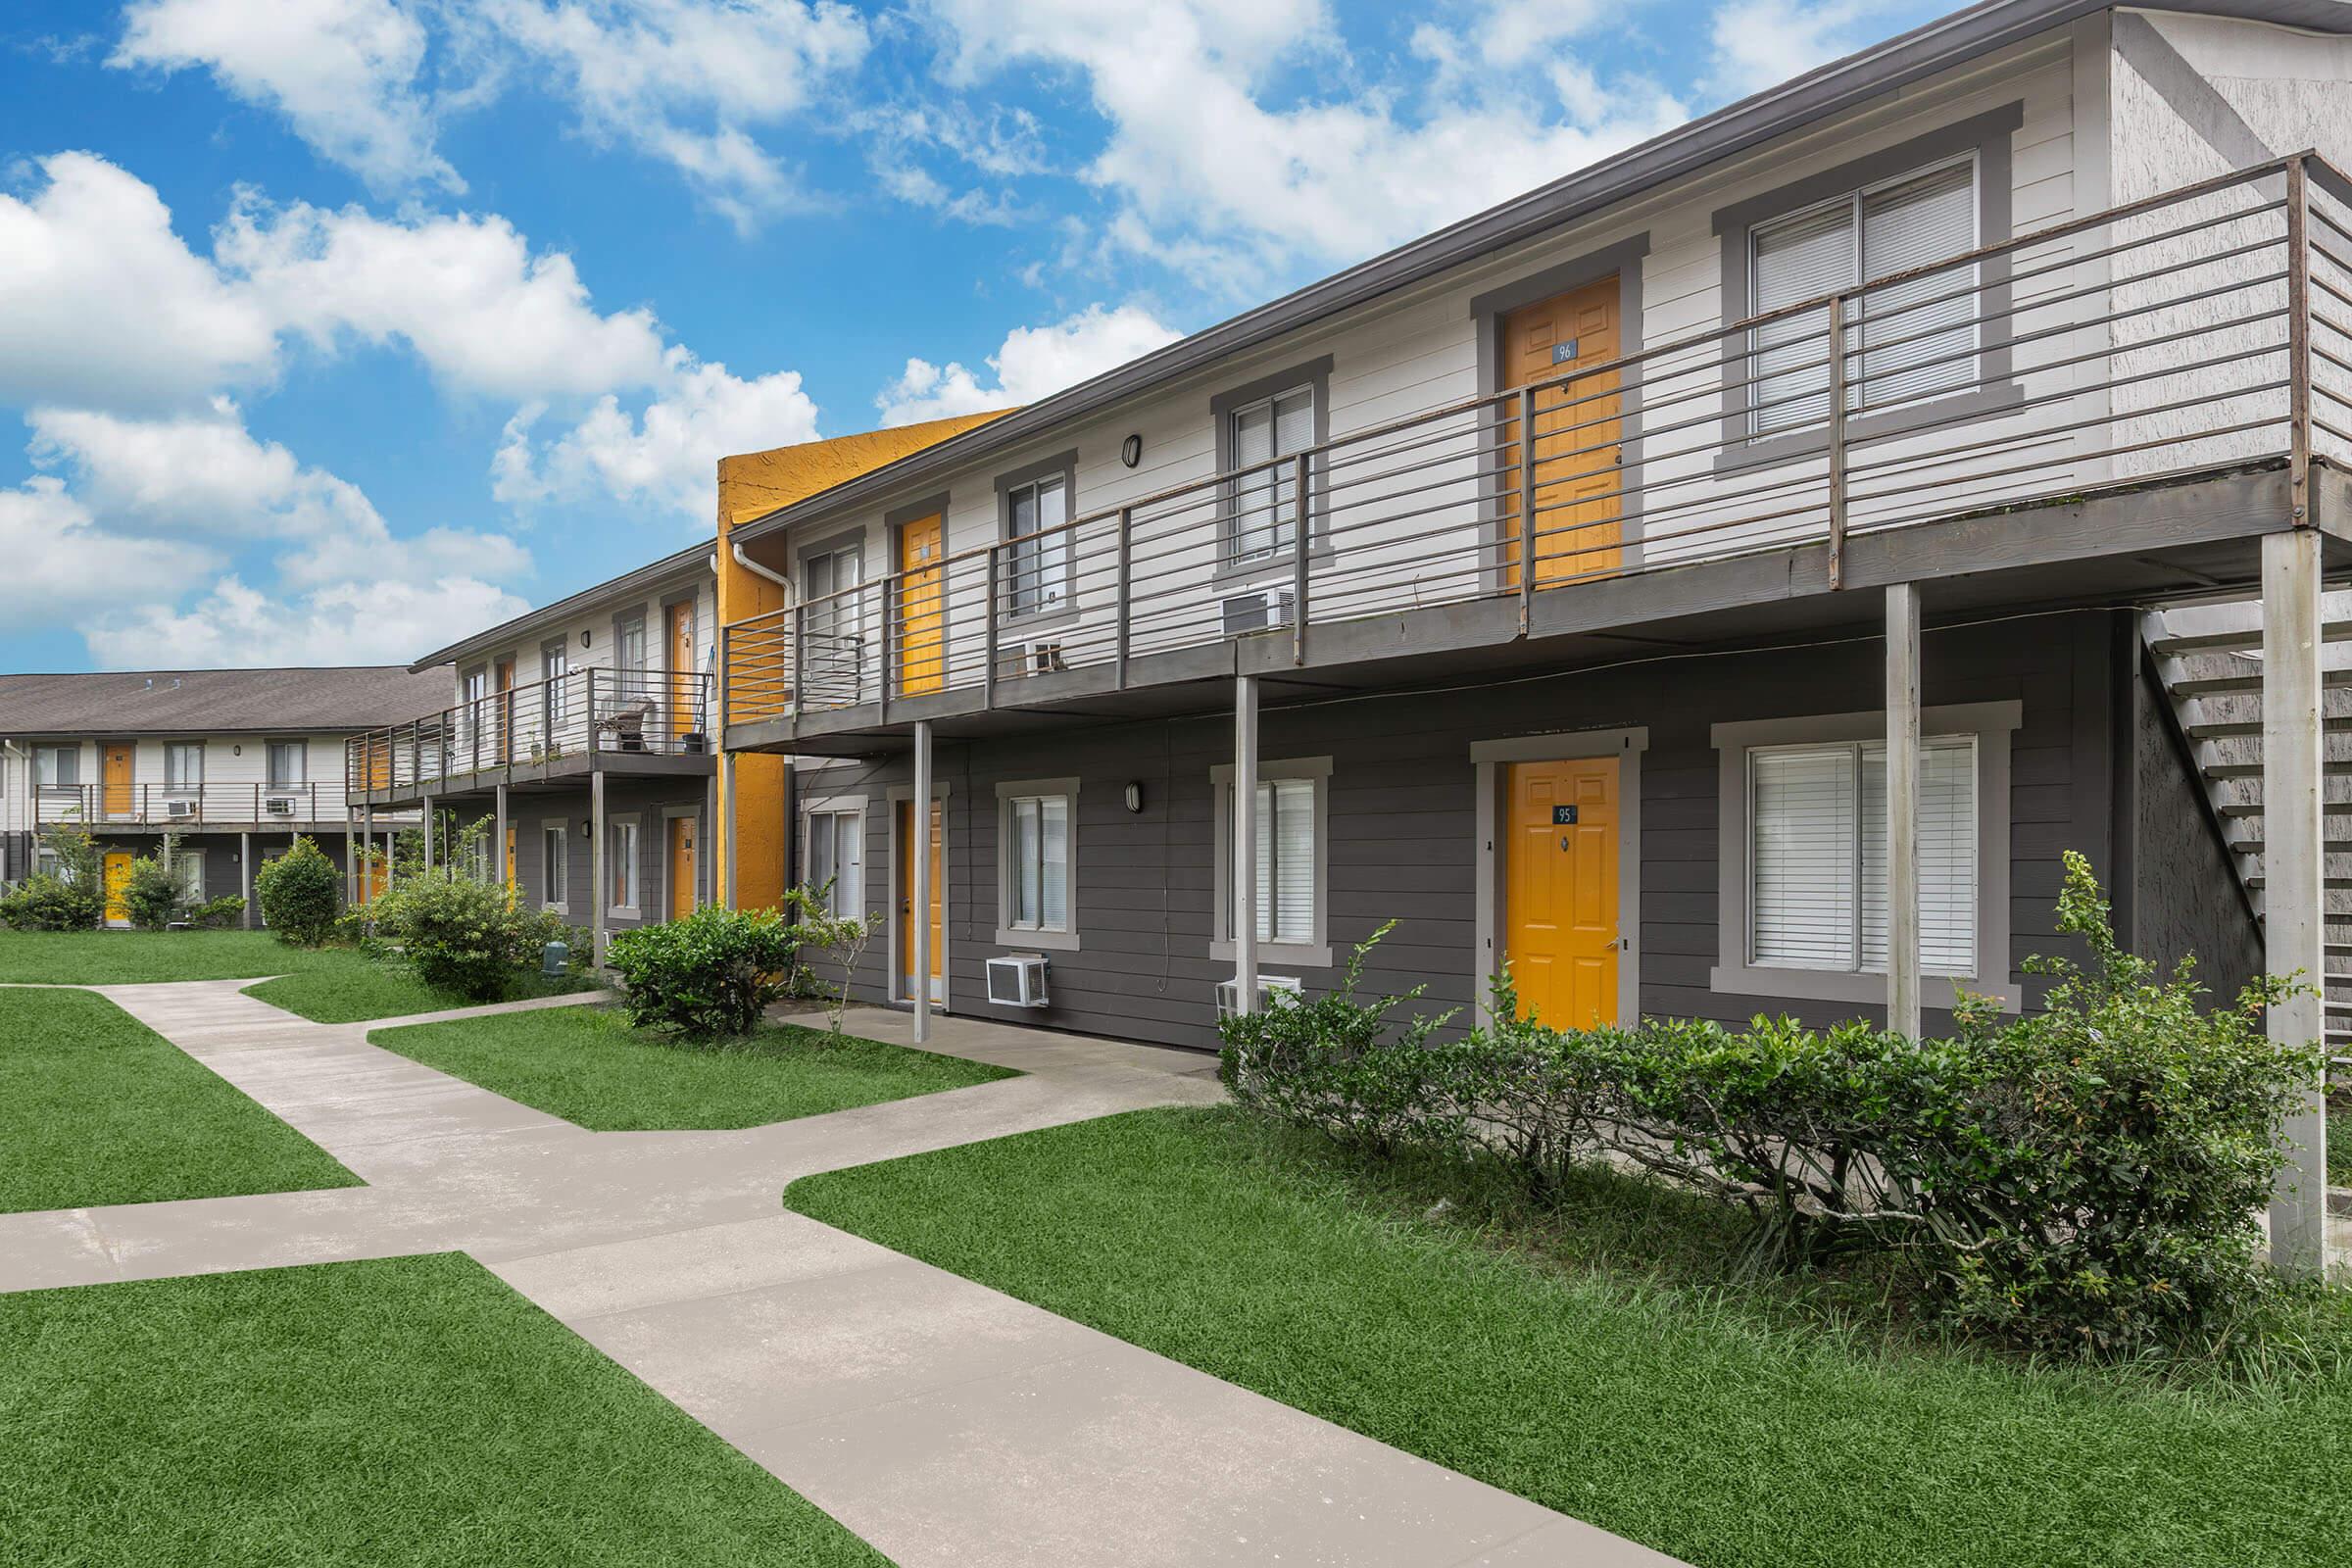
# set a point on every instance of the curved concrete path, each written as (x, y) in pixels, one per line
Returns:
(943, 1422)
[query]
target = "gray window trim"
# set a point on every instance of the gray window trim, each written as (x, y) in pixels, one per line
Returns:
(1315, 375)
(1989, 135)
(561, 830)
(1009, 935)
(840, 805)
(1316, 953)
(831, 543)
(181, 785)
(1992, 724)
(941, 791)
(613, 825)
(1488, 310)
(1066, 465)
(73, 751)
(270, 779)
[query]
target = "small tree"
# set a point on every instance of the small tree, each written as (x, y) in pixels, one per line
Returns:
(843, 936)
(301, 893)
(70, 897)
(152, 894)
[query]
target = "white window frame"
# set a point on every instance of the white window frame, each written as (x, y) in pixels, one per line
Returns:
(53, 755)
(1991, 725)
(187, 870)
(848, 892)
(1039, 571)
(301, 751)
(1273, 484)
(1011, 931)
(555, 866)
(1760, 420)
(175, 775)
(627, 870)
(1315, 952)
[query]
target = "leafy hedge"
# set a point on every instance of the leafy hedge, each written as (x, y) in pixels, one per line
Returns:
(72, 898)
(711, 975)
(300, 893)
(465, 936)
(2081, 1180)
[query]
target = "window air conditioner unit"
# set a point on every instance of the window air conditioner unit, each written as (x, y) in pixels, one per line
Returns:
(1273, 990)
(1042, 657)
(179, 809)
(279, 805)
(1259, 609)
(1018, 980)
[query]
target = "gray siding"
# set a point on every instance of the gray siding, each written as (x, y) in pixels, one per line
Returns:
(647, 798)
(1402, 827)
(2184, 892)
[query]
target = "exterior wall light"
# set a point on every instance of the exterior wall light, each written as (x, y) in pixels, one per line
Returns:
(1131, 451)
(583, 636)
(1134, 795)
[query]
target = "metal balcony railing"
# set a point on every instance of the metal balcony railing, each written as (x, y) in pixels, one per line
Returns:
(2205, 328)
(623, 711)
(190, 805)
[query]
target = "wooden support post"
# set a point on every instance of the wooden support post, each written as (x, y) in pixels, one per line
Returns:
(1837, 388)
(245, 876)
(918, 919)
(1902, 809)
(2294, 855)
(498, 839)
(1245, 843)
(596, 866)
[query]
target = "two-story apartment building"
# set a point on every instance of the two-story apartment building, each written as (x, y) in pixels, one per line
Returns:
(583, 734)
(230, 765)
(1715, 584)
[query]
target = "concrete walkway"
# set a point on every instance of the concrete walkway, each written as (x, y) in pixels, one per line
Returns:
(943, 1422)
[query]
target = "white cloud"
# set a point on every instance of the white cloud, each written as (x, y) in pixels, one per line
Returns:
(1762, 43)
(467, 293)
(102, 303)
(685, 81)
(60, 565)
(668, 454)
(1032, 363)
(344, 73)
(359, 621)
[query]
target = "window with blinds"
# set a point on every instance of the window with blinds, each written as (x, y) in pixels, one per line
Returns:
(836, 860)
(555, 870)
(57, 767)
(1265, 502)
(1285, 859)
(1037, 570)
(1037, 891)
(1904, 342)
(1817, 856)
(183, 764)
(627, 875)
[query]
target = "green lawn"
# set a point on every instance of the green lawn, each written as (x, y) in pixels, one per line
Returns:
(329, 985)
(1714, 1422)
(95, 1108)
(589, 1066)
(410, 1411)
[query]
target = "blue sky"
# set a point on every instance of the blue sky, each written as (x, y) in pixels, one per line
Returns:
(333, 329)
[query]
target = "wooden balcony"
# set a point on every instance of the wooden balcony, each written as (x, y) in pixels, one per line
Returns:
(538, 735)
(2109, 407)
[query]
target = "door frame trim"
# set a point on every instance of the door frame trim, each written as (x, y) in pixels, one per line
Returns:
(897, 794)
(669, 870)
(1488, 760)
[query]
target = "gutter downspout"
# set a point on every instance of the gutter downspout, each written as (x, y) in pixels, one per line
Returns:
(9, 747)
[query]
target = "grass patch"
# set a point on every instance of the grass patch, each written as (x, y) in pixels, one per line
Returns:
(367, 989)
(1590, 1361)
(587, 1066)
(410, 1411)
(95, 1108)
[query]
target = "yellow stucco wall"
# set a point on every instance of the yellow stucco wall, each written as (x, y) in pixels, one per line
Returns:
(752, 485)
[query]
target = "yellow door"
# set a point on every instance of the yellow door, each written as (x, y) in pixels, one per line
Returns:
(1579, 504)
(922, 662)
(905, 860)
(118, 877)
(1560, 890)
(509, 877)
(681, 868)
(678, 633)
(117, 772)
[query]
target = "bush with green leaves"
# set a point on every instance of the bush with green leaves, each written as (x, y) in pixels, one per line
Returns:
(70, 898)
(2081, 1180)
(215, 914)
(300, 893)
(464, 936)
(153, 896)
(711, 975)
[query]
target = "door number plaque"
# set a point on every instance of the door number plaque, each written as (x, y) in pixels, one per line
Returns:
(1564, 816)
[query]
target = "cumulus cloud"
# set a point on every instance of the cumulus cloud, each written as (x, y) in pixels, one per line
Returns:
(1761, 43)
(102, 303)
(1033, 363)
(666, 455)
(61, 564)
(343, 73)
(359, 621)
(688, 82)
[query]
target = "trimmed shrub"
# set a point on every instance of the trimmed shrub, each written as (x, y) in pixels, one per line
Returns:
(301, 893)
(215, 913)
(152, 896)
(464, 936)
(72, 898)
(711, 975)
(2084, 1180)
